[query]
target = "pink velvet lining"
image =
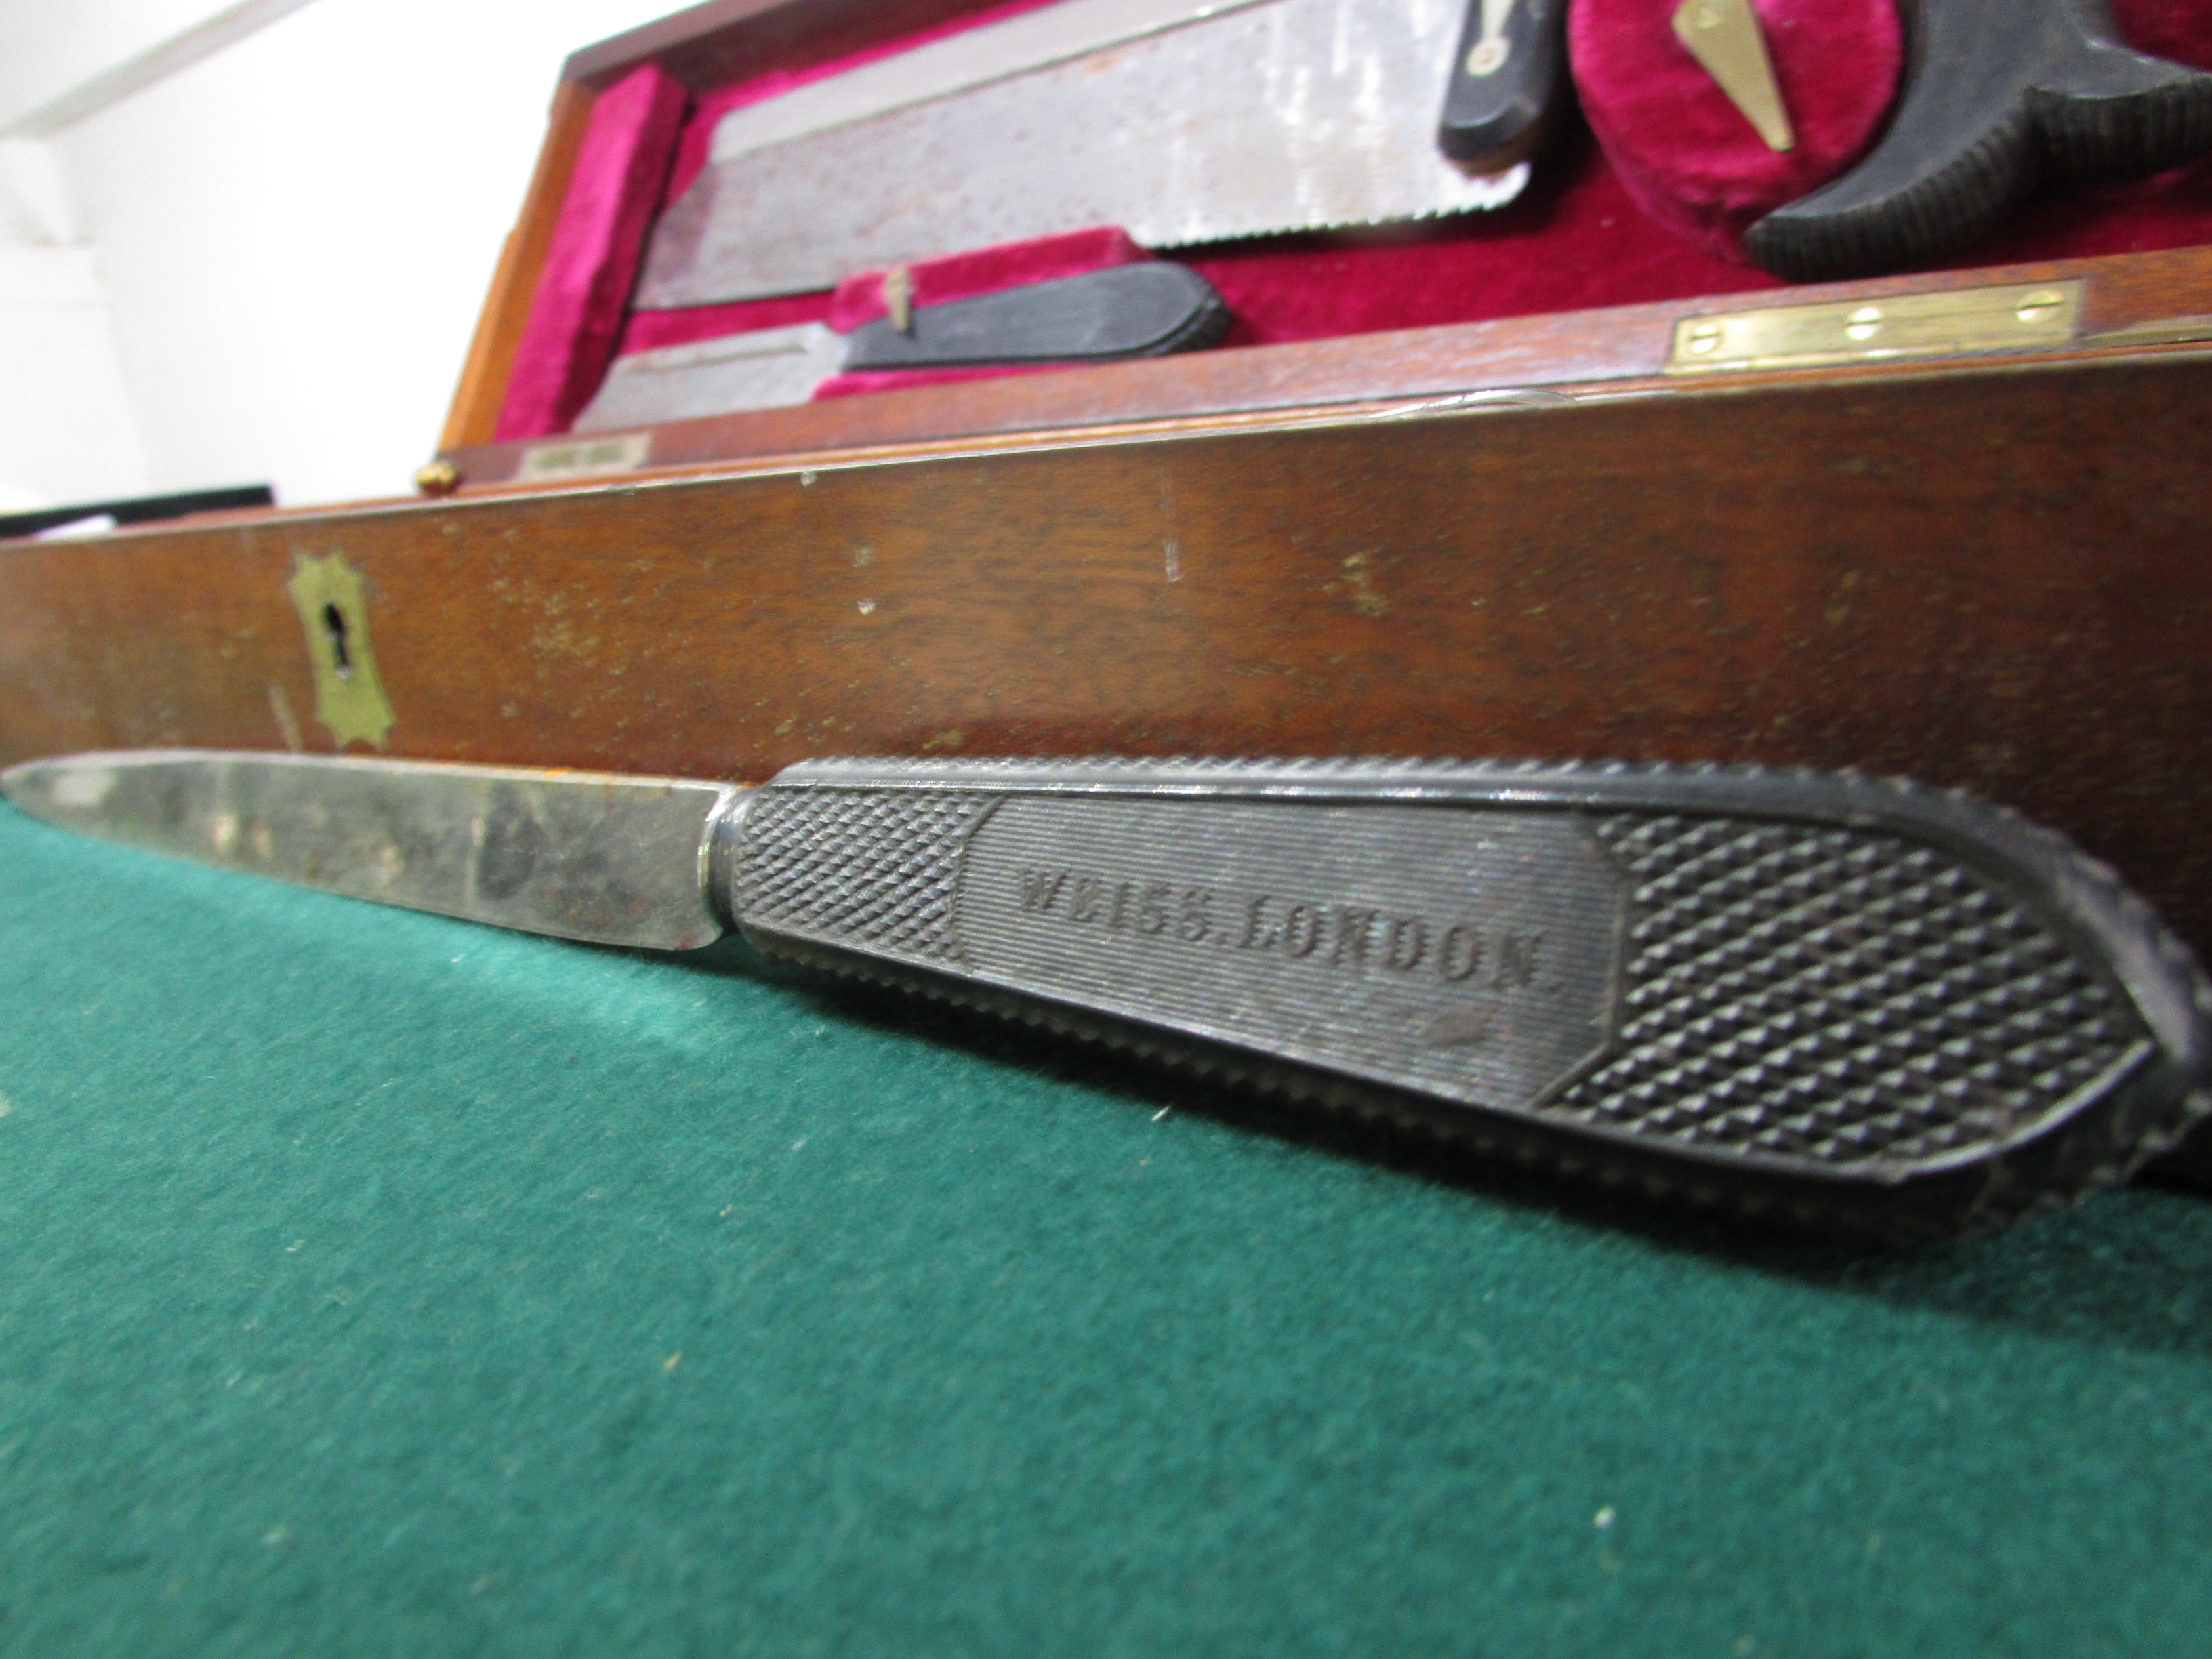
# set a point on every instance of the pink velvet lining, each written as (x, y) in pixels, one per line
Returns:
(591, 266)
(1685, 154)
(1582, 237)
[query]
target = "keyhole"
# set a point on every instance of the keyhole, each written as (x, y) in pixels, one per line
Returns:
(334, 624)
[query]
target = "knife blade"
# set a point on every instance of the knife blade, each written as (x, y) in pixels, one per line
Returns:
(1145, 310)
(1193, 123)
(1842, 1002)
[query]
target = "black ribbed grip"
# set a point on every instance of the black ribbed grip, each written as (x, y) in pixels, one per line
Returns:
(1998, 96)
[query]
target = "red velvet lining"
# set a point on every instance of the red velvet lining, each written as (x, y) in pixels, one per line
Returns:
(1685, 154)
(1577, 240)
(591, 265)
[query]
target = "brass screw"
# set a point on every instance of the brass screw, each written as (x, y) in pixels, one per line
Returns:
(2038, 305)
(1705, 338)
(898, 298)
(437, 478)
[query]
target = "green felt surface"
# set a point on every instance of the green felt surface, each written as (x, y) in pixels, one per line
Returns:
(370, 1283)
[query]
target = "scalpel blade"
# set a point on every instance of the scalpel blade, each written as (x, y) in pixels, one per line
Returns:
(1854, 1003)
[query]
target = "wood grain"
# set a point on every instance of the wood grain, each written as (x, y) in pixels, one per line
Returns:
(1621, 348)
(1992, 580)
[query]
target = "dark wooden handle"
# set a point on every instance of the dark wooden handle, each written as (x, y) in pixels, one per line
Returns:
(1504, 81)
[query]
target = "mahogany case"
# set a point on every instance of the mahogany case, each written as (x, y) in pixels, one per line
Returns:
(1561, 536)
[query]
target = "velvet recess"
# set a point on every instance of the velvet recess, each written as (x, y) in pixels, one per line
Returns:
(1651, 208)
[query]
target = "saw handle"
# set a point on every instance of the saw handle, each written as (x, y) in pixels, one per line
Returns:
(1999, 96)
(1507, 76)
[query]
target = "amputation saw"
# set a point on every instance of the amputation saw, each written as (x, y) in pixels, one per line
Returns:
(1181, 121)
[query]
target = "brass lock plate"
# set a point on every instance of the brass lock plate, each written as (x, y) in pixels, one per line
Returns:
(332, 600)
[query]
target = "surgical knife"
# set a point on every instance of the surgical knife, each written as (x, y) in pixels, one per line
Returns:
(1149, 309)
(1823, 999)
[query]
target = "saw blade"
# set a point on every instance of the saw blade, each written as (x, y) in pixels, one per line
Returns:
(1268, 117)
(959, 64)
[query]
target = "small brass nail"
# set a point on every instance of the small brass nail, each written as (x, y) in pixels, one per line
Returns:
(437, 478)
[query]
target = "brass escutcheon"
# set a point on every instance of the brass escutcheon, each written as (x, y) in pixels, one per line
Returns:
(331, 598)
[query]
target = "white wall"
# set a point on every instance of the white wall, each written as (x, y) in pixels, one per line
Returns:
(67, 430)
(58, 63)
(297, 232)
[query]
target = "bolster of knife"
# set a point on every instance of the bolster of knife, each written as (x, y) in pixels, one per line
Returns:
(1146, 310)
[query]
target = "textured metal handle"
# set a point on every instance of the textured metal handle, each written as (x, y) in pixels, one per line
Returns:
(1855, 1000)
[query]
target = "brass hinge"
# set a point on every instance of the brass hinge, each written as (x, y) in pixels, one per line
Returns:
(2004, 319)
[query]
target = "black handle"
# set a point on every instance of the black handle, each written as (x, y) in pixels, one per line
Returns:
(1146, 310)
(1506, 76)
(1999, 95)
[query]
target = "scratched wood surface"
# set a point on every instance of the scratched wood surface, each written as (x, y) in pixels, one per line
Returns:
(1990, 580)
